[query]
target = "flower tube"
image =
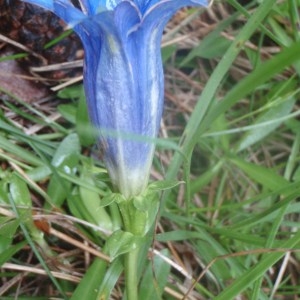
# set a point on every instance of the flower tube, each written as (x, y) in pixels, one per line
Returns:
(123, 78)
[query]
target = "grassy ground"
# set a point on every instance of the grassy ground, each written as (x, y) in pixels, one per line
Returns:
(230, 132)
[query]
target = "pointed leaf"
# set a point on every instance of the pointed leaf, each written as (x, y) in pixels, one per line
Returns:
(155, 278)
(88, 286)
(8, 228)
(19, 191)
(110, 279)
(121, 242)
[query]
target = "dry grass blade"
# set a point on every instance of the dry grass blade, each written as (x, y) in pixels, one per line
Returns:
(22, 47)
(78, 244)
(60, 66)
(36, 270)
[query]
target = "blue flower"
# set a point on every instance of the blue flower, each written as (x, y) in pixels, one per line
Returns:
(123, 77)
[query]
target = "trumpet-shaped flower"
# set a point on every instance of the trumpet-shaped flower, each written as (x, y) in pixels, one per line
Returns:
(123, 77)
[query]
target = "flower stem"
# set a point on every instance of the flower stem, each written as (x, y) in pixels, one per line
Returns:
(131, 276)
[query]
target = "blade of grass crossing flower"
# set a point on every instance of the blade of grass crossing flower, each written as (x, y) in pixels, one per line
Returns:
(192, 133)
(83, 126)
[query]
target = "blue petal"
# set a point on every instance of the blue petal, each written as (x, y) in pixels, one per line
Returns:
(127, 18)
(47, 4)
(97, 6)
(124, 87)
(145, 5)
(123, 78)
(63, 9)
(92, 7)
(112, 4)
(67, 12)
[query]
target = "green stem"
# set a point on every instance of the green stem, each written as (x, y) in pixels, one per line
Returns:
(131, 276)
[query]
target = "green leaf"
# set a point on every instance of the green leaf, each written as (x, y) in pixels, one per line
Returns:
(67, 154)
(206, 177)
(275, 110)
(65, 159)
(9, 252)
(39, 173)
(8, 229)
(155, 278)
(139, 212)
(256, 78)
(163, 185)
(89, 285)
(121, 242)
(19, 152)
(220, 269)
(177, 235)
(110, 280)
(199, 120)
(254, 273)
(21, 197)
(167, 52)
(19, 192)
(110, 198)
(4, 198)
(266, 177)
(91, 202)
(71, 92)
(213, 45)
(68, 111)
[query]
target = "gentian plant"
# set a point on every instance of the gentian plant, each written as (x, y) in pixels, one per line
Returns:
(124, 87)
